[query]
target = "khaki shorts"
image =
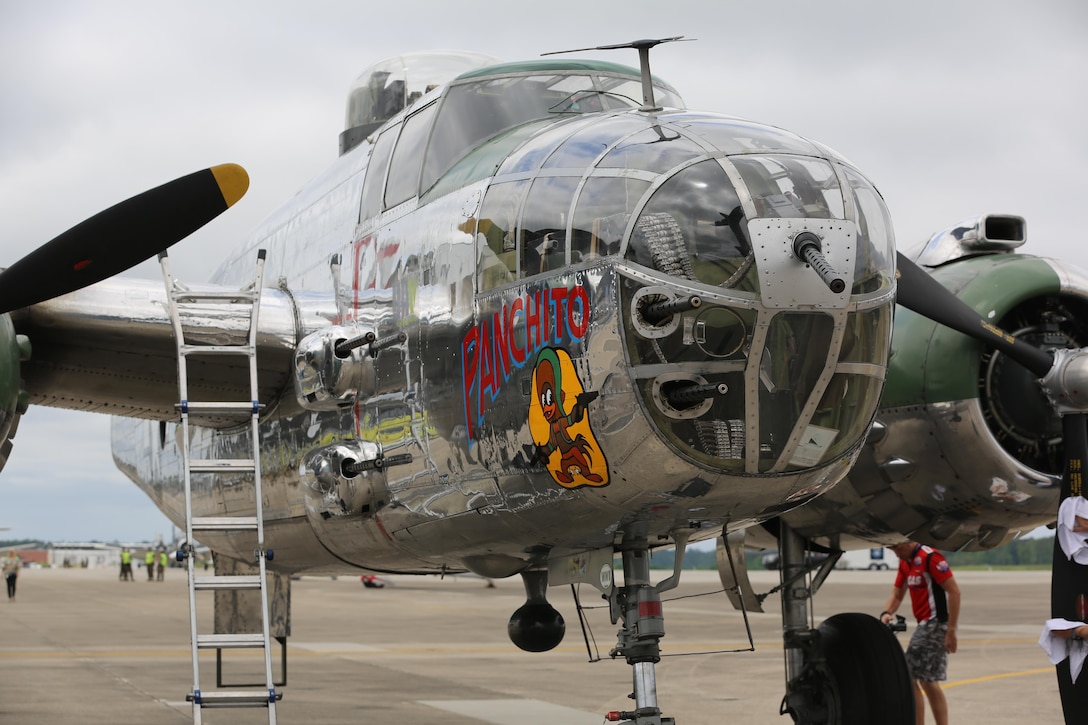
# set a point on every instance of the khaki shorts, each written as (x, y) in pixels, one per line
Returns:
(927, 656)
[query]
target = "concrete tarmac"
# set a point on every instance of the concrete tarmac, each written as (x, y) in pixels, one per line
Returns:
(79, 646)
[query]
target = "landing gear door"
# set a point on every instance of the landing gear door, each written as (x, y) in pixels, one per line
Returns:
(591, 567)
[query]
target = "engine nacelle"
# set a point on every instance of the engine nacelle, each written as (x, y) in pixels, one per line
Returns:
(966, 451)
(334, 368)
(14, 400)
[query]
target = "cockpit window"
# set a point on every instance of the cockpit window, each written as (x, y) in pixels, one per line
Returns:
(496, 243)
(628, 92)
(655, 149)
(733, 136)
(374, 186)
(791, 187)
(582, 147)
(694, 227)
(404, 166)
(387, 87)
(604, 206)
(531, 156)
(476, 110)
(473, 112)
(543, 245)
(876, 238)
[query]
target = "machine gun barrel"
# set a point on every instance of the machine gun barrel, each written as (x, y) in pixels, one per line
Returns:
(356, 467)
(806, 246)
(344, 348)
(657, 312)
(388, 341)
(680, 397)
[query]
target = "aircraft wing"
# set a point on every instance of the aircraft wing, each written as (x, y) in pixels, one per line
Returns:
(76, 345)
(110, 348)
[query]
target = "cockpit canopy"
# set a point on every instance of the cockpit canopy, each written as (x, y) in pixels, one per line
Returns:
(447, 141)
(389, 86)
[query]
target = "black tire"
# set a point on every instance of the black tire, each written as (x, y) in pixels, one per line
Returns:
(868, 670)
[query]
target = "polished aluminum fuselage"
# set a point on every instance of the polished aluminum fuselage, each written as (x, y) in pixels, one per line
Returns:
(473, 496)
(593, 323)
(459, 503)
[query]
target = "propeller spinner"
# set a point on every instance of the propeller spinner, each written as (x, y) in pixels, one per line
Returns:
(122, 236)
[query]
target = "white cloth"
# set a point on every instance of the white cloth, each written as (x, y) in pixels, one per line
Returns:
(1073, 543)
(1058, 648)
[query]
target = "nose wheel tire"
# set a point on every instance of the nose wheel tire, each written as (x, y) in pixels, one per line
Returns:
(868, 671)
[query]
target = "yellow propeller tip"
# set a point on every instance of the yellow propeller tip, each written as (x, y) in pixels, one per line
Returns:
(233, 181)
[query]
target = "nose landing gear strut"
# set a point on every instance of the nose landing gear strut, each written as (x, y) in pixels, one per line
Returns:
(638, 604)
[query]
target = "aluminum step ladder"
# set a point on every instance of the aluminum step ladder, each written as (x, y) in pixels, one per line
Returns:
(186, 304)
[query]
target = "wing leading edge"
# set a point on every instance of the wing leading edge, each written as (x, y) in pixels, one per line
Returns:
(110, 348)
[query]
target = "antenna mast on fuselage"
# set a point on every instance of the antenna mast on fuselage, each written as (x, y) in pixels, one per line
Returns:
(643, 47)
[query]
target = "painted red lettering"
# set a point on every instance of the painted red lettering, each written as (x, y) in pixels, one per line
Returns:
(578, 322)
(533, 323)
(559, 296)
(501, 335)
(488, 382)
(544, 300)
(495, 345)
(470, 353)
(519, 354)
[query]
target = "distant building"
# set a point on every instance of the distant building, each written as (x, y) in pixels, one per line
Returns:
(29, 553)
(89, 554)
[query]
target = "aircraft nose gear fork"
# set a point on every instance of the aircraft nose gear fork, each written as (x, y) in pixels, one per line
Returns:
(638, 604)
(848, 670)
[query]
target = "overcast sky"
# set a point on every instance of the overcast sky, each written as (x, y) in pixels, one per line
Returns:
(951, 108)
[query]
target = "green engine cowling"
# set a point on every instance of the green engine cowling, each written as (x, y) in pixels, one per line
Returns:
(14, 349)
(931, 363)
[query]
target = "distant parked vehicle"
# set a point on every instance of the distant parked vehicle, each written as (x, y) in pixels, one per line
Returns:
(871, 559)
(770, 559)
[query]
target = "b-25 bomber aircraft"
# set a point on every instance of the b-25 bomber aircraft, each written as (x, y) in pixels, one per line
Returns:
(539, 314)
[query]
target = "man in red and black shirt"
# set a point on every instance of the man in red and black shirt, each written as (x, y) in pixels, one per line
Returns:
(935, 598)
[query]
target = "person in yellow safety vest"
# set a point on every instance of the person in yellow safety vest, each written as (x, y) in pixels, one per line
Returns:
(162, 564)
(126, 564)
(149, 560)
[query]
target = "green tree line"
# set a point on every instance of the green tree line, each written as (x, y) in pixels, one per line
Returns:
(1022, 552)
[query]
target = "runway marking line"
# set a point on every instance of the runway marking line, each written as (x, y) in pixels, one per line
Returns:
(987, 678)
(304, 651)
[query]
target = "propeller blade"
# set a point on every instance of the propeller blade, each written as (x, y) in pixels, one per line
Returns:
(920, 293)
(122, 236)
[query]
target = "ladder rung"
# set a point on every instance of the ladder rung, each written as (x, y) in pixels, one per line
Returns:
(243, 349)
(236, 698)
(238, 296)
(221, 465)
(243, 407)
(231, 581)
(224, 523)
(229, 641)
